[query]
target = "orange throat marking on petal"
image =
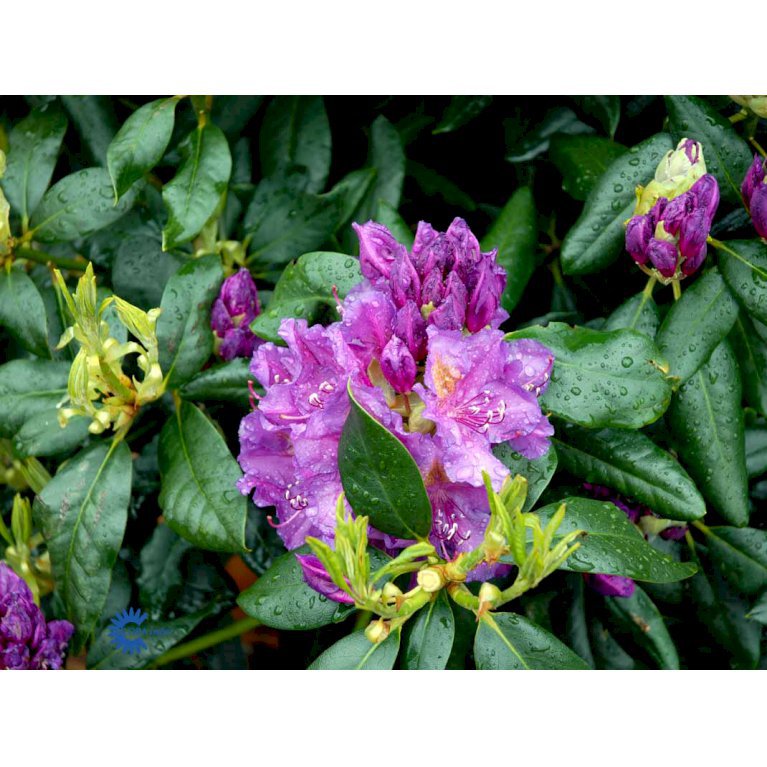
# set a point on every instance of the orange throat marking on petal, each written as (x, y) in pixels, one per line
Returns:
(435, 474)
(445, 377)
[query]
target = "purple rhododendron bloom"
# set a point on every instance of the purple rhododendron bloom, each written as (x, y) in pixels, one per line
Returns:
(26, 640)
(754, 190)
(418, 342)
(671, 236)
(317, 577)
(235, 308)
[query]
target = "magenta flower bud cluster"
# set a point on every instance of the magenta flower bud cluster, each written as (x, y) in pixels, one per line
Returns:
(671, 237)
(26, 640)
(619, 585)
(754, 191)
(235, 308)
(419, 345)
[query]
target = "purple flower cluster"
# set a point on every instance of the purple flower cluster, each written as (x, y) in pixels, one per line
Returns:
(419, 343)
(754, 191)
(26, 641)
(671, 237)
(235, 308)
(619, 585)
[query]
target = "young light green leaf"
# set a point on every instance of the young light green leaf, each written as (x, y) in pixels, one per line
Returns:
(355, 652)
(198, 495)
(380, 477)
(515, 234)
(77, 206)
(140, 143)
(196, 190)
(706, 419)
(597, 237)
(509, 641)
(34, 149)
(83, 511)
(696, 324)
(631, 464)
(602, 378)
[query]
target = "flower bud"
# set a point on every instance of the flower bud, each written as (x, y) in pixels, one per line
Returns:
(757, 104)
(377, 631)
(610, 585)
(431, 579)
(489, 595)
(398, 365)
(391, 594)
(410, 326)
(485, 297)
(754, 190)
(317, 577)
(235, 308)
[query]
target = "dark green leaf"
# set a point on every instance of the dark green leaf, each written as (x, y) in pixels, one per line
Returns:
(638, 313)
(22, 311)
(380, 477)
(602, 378)
(161, 576)
(140, 270)
(509, 641)
(756, 451)
(576, 627)
(82, 512)
(196, 190)
(582, 160)
(515, 234)
(355, 652)
(429, 636)
(759, 610)
(597, 238)
(606, 110)
(727, 155)
(385, 155)
(751, 352)
(350, 190)
(41, 435)
(696, 324)
(434, 184)
(608, 654)
(183, 327)
(29, 387)
(706, 419)
(461, 110)
(612, 544)
(741, 554)
(296, 131)
(140, 143)
(535, 142)
(281, 598)
(723, 612)
(538, 472)
(77, 206)
(225, 382)
(744, 267)
(199, 495)
(638, 616)
(631, 464)
(34, 148)
(392, 220)
(283, 220)
(95, 121)
(305, 291)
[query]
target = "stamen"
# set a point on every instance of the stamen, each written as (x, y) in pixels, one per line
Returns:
(275, 525)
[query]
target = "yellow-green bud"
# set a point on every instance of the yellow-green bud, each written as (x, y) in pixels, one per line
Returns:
(757, 104)
(377, 631)
(391, 594)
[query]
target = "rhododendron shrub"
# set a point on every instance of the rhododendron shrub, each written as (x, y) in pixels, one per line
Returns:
(417, 383)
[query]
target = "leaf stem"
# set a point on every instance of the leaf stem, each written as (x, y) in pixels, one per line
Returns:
(206, 641)
(649, 287)
(76, 263)
(757, 146)
(677, 288)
